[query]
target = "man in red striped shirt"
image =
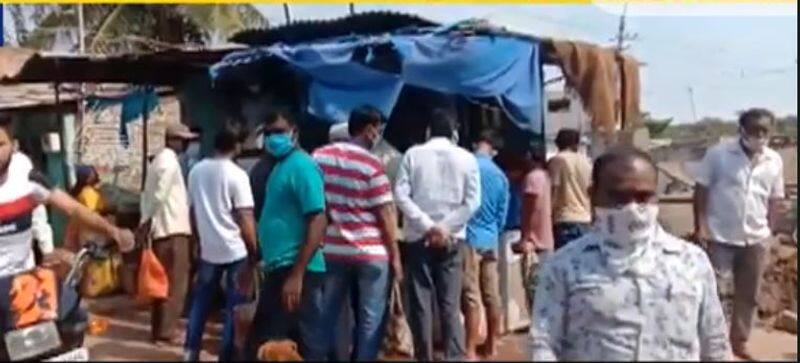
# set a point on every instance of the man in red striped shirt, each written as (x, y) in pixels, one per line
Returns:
(360, 244)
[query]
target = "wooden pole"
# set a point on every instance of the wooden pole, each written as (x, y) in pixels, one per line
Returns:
(144, 139)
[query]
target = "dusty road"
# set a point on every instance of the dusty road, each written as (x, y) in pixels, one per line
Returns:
(127, 338)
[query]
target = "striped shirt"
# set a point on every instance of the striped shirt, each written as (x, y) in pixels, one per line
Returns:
(355, 185)
(18, 199)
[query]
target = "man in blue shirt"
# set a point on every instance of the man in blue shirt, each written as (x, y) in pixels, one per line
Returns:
(480, 251)
(290, 229)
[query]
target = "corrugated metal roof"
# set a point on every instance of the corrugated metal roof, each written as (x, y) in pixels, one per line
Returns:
(26, 96)
(367, 23)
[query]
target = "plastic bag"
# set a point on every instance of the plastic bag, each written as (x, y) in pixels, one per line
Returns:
(244, 313)
(33, 298)
(100, 276)
(153, 282)
(398, 341)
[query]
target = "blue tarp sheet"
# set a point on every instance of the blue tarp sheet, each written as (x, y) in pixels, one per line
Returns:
(344, 73)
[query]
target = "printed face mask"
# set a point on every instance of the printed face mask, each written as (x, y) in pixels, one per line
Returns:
(628, 227)
(279, 145)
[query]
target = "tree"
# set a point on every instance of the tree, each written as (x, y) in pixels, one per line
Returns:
(655, 126)
(129, 28)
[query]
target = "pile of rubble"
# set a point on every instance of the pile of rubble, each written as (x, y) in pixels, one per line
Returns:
(779, 287)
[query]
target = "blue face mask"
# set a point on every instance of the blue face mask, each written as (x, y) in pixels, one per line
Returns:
(279, 145)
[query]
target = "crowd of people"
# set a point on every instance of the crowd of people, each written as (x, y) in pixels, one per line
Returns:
(605, 281)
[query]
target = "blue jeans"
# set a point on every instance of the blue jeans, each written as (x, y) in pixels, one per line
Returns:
(206, 284)
(564, 232)
(369, 282)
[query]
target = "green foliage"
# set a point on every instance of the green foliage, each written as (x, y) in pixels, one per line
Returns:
(116, 28)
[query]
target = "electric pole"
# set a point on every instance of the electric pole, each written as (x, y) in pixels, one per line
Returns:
(352, 9)
(691, 102)
(623, 36)
(286, 13)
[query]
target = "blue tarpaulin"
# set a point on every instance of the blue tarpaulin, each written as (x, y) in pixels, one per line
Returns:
(348, 72)
(134, 104)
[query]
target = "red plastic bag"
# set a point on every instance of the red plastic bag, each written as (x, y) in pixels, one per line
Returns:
(153, 282)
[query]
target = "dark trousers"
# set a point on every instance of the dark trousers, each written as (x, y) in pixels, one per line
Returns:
(173, 253)
(745, 266)
(272, 321)
(563, 232)
(434, 272)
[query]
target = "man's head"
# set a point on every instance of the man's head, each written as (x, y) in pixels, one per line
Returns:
(488, 143)
(6, 143)
(279, 133)
(755, 127)
(623, 175)
(227, 143)
(624, 202)
(568, 139)
(443, 123)
(178, 137)
(365, 126)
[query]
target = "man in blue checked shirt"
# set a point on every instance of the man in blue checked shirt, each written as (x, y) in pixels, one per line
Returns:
(480, 251)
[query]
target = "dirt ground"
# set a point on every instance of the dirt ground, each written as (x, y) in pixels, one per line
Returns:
(127, 338)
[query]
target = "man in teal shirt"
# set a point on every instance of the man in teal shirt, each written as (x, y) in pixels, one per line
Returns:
(290, 230)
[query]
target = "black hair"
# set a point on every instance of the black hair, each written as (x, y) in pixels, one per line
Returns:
(568, 138)
(755, 114)
(8, 125)
(490, 136)
(362, 117)
(273, 117)
(442, 123)
(619, 153)
(226, 140)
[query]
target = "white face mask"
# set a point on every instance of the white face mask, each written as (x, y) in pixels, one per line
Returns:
(754, 144)
(626, 229)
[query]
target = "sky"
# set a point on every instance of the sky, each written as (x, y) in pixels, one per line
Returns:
(732, 56)
(732, 61)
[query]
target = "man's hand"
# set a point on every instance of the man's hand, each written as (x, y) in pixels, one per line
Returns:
(143, 232)
(523, 247)
(246, 281)
(438, 237)
(292, 289)
(124, 239)
(397, 268)
(701, 235)
(49, 260)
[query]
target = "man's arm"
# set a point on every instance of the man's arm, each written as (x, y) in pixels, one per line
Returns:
(157, 187)
(505, 198)
(293, 287)
(247, 225)
(472, 200)
(714, 345)
(549, 315)
(700, 212)
(703, 176)
(387, 220)
(94, 221)
(775, 205)
(402, 191)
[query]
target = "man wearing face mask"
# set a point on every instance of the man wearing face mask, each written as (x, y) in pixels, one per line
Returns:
(290, 230)
(628, 290)
(360, 245)
(737, 194)
(438, 191)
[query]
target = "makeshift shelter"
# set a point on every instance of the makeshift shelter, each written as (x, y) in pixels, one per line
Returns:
(469, 65)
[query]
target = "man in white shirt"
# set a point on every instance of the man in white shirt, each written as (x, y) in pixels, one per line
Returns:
(165, 219)
(438, 190)
(739, 186)
(222, 217)
(627, 290)
(21, 166)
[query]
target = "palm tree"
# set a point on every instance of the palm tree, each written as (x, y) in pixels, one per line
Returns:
(129, 28)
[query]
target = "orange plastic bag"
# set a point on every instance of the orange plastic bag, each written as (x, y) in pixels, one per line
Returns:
(153, 282)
